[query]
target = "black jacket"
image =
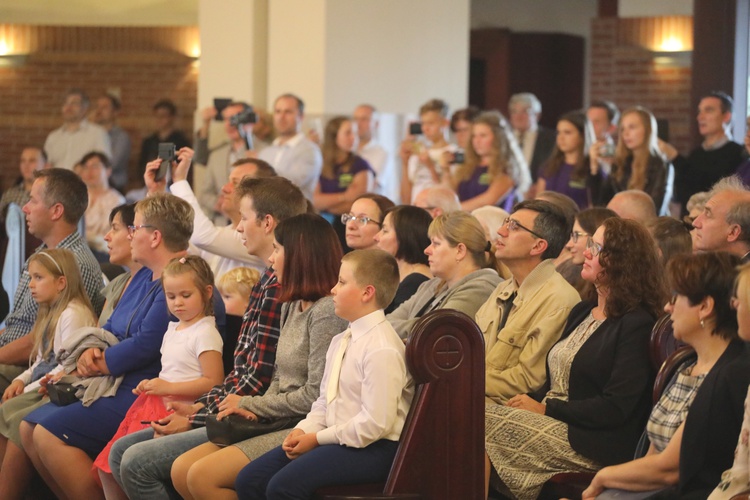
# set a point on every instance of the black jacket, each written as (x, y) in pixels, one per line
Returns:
(611, 379)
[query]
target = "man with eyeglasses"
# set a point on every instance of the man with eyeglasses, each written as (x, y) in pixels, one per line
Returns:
(526, 313)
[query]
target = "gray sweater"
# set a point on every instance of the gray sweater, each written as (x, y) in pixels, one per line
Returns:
(300, 360)
(466, 296)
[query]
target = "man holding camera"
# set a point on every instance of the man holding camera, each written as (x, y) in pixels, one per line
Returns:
(220, 158)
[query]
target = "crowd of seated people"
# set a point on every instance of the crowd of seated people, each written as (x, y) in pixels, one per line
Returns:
(562, 247)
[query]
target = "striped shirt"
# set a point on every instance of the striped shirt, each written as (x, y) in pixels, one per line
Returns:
(20, 321)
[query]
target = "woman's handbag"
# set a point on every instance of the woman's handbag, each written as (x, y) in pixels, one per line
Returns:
(234, 428)
(62, 394)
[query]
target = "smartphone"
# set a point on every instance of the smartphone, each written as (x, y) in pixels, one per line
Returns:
(415, 128)
(220, 103)
(458, 157)
(167, 154)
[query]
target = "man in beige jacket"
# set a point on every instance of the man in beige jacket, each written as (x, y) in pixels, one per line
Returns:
(525, 315)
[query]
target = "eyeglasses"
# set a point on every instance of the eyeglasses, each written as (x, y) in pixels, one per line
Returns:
(362, 220)
(577, 234)
(593, 247)
(133, 229)
(673, 298)
(514, 225)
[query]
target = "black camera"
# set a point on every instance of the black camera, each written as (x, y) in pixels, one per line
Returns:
(167, 154)
(243, 117)
(415, 128)
(459, 157)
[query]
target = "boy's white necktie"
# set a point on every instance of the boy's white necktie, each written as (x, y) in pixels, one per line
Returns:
(333, 381)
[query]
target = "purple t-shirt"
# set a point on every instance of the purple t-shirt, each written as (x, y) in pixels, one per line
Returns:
(475, 185)
(743, 172)
(342, 180)
(562, 183)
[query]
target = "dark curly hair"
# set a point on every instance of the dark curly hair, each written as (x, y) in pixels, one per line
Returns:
(632, 270)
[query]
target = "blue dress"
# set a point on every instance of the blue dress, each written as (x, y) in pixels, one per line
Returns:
(139, 321)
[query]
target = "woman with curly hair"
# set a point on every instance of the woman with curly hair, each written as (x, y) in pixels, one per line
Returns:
(638, 162)
(597, 397)
(494, 168)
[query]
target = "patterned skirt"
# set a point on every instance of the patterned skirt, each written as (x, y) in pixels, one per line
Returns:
(527, 449)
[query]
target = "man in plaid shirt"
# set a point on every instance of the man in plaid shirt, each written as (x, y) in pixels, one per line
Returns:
(140, 464)
(57, 202)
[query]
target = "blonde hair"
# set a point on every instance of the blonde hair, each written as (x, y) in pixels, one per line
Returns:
(203, 277)
(462, 227)
(239, 280)
(59, 262)
(172, 216)
(378, 268)
(641, 156)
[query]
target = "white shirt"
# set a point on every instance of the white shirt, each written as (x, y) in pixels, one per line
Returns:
(420, 175)
(65, 148)
(221, 247)
(529, 142)
(180, 349)
(375, 390)
(297, 159)
(73, 317)
(377, 157)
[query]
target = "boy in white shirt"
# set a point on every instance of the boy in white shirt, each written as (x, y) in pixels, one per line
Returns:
(351, 433)
(421, 161)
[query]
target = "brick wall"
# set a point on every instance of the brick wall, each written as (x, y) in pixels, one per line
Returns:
(624, 71)
(143, 64)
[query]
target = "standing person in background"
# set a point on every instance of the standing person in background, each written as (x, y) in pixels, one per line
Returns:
(105, 114)
(367, 120)
(715, 158)
(32, 159)
(536, 142)
(494, 172)
(77, 136)
(421, 160)
(291, 153)
(95, 170)
(638, 163)
(165, 114)
(461, 121)
(345, 175)
(220, 159)
(567, 171)
(604, 117)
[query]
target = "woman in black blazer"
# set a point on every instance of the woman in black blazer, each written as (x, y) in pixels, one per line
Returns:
(597, 398)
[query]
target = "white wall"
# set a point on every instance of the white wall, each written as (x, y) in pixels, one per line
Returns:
(234, 52)
(377, 52)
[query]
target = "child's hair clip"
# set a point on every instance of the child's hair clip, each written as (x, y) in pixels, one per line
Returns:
(183, 260)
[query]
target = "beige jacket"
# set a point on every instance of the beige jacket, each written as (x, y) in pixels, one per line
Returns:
(516, 356)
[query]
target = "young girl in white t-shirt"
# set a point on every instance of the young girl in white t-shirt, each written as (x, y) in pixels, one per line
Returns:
(191, 361)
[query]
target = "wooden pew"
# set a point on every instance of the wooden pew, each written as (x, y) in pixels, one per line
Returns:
(441, 451)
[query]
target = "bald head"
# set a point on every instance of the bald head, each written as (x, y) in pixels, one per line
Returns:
(438, 200)
(634, 205)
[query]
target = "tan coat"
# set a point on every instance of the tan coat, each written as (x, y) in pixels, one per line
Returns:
(516, 356)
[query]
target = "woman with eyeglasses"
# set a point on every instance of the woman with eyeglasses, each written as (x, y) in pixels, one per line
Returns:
(364, 220)
(585, 224)
(462, 261)
(404, 235)
(597, 397)
(702, 318)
